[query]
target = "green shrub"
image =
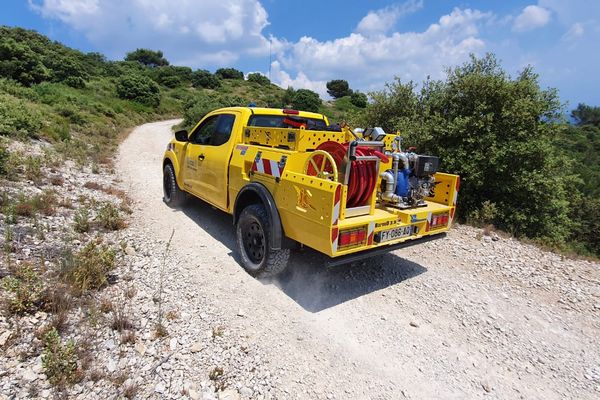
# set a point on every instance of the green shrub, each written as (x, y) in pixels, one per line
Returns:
(19, 62)
(306, 100)
(4, 157)
(60, 361)
(81, 222)
(89, 268)
(75, 82)
(140, 89)
(497, 133)
(259, 78)
(358, 99)
(18, 118)
(229, 73)
(110, 218)
(24, 289)
(204, 79)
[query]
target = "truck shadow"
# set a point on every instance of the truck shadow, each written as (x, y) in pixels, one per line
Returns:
(315, 287)
(307, 281)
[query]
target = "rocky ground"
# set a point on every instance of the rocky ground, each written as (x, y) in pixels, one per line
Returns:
(469, 316)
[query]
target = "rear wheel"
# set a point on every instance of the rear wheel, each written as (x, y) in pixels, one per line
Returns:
(172, 195)
(253, 242)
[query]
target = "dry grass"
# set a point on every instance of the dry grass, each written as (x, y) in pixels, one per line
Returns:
(57, 180)
(128, 337)
(92, 185)
(130, 391)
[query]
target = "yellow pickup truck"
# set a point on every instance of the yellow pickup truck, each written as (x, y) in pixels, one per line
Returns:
(288, 177)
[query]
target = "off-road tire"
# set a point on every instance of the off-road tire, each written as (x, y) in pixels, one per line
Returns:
(172, 195)
(252, 233)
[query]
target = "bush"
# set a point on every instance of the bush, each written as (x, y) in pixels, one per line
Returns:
(24, 290)
(139, 88)
(60, 362)
(110, 218)
(19, 62)
(494, 131)
(204, 79)
(259, 78)
(358, 99)
(76, 82)
(18, 118)
(306, 100)
(229, 73)
(81, 222)
(4, 157)
(89, 268)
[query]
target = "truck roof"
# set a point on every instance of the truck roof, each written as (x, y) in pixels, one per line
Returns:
(272, 111)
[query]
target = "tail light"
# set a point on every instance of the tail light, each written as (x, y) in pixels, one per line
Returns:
(439, 220)
(352, 237)
(290, 111)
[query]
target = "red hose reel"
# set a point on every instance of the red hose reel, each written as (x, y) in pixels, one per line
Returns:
(363, 174)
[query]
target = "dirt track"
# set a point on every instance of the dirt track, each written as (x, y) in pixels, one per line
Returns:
(465, 317)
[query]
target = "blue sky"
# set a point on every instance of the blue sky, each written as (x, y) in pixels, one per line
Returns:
(311, 42)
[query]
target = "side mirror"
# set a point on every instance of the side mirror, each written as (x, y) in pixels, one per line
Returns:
(181, 136)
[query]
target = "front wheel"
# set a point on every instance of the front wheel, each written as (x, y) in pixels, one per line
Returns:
(172, 195)
(253, 242)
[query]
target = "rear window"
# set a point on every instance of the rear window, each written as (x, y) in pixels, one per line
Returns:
(286, 121)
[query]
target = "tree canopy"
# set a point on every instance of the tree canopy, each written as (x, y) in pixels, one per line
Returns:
(147, 57)
(338, 88)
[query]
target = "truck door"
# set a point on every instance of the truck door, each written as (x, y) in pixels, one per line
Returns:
(207, 157)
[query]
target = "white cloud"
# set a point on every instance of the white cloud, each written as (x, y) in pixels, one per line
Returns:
(532, 17)
(384, 19)
(189, 32)
(301, 81)
(369, 61)
(575, 32)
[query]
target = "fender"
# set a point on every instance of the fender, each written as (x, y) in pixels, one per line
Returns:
(254, 193)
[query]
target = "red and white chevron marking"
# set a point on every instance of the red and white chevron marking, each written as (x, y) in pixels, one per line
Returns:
(427, 225)
(268, 167)
(371, 232)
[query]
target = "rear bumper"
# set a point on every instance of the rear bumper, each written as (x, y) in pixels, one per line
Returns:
(332, 262)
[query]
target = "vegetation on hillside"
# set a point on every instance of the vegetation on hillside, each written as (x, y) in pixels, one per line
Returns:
(522, 167)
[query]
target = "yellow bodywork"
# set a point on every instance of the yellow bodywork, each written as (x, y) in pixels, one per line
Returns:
(312, 209)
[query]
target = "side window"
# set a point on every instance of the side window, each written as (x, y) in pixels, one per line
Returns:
(215, 131)
(223, 129)
(205, 131)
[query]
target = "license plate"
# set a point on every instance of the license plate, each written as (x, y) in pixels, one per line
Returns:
(395, 233)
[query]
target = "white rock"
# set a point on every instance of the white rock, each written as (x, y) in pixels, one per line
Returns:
(4, 337)
(140, 348)
(30, 376)
(196, 347)
(159, 388)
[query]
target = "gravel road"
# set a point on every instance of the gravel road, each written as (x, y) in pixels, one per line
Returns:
(469, 316)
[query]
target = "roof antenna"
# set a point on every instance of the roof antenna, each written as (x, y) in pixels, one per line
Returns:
(270, 44)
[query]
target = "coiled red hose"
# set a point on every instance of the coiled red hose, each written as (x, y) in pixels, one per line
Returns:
(363, 174)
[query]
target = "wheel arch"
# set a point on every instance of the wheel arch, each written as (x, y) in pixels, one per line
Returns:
(168, 160)
(256, 193)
